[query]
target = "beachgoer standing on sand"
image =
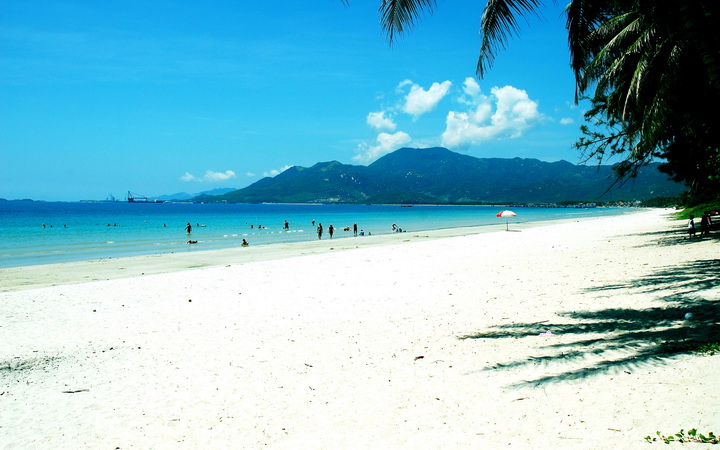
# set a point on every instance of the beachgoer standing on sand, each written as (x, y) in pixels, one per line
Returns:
(705, 224)
(319, 230)
(691, 226)
(188, 228)
(355, 229)
(331, 230)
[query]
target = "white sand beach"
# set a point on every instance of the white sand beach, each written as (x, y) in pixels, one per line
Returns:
(556, 336)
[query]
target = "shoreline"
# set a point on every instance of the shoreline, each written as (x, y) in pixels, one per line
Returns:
(565, 336)
(26, 277)
(145, 233)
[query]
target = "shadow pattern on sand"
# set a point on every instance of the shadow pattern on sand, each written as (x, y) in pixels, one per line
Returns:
(667, 238)
(613, 340)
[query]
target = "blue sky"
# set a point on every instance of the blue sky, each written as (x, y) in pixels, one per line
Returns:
(99, 98)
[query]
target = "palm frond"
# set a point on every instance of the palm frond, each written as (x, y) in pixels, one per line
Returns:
(397, 16)
(498, 23)
(582, 18)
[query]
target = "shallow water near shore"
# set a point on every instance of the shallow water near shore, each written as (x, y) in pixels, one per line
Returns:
(41, 233)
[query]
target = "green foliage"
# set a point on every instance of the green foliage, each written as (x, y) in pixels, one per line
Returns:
(637, 56)
(710, 168)
(714, 164)
(709, 349)
(682, 437)
(675, 347)
(663, 202)
(698, 210)
(605, 136)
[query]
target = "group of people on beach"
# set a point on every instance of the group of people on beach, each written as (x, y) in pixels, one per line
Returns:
(188, 230)
(286, 227)
(396, 229)
(331, 229)
(705, 223)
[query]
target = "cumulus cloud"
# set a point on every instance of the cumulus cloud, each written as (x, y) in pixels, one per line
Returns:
(273, 172)
(189, 177)
(219, 176)
(567, 121)
(504, 114)
(385, 143)
(419, 101)
(378, 121)
(471, 91)
(210, 176)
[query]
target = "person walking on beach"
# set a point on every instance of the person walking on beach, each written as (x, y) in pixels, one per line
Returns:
(188, 228)
(320, 230)
(355, 229)
(331, 230)
(691, 226)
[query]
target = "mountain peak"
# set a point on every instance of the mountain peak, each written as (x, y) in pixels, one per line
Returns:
(438, 175)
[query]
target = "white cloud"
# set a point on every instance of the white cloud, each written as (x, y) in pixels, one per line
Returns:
(472, 91)
(218, 176)
(402, 84)
(249, 174)
(567, 121)
(378, 121)
(419, 101)
(189, 177)
(210, 176)
(273, 172)
(385, 143)
(514, 113)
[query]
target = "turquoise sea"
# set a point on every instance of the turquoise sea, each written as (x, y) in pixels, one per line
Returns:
(46, 232)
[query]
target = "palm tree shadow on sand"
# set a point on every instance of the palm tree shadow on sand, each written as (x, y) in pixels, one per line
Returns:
(643, 337)
(668, 238)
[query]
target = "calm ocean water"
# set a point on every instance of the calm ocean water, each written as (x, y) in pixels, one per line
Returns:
(40, 233)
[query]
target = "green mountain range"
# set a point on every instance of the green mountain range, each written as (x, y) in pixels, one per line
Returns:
(440, 176)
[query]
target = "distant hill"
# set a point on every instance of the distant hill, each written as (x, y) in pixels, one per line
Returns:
(438, 175)
(186, 196)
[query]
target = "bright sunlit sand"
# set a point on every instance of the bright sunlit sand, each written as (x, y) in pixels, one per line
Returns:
(555, 336)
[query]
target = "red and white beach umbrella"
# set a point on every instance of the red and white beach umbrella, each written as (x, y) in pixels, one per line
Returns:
(506, 213)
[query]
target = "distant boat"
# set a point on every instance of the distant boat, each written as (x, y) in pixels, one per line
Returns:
(135, 198)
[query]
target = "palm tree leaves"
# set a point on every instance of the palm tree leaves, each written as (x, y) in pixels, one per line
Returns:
(638, 57)
(397, 15)
(583, 17)
(498, 23)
